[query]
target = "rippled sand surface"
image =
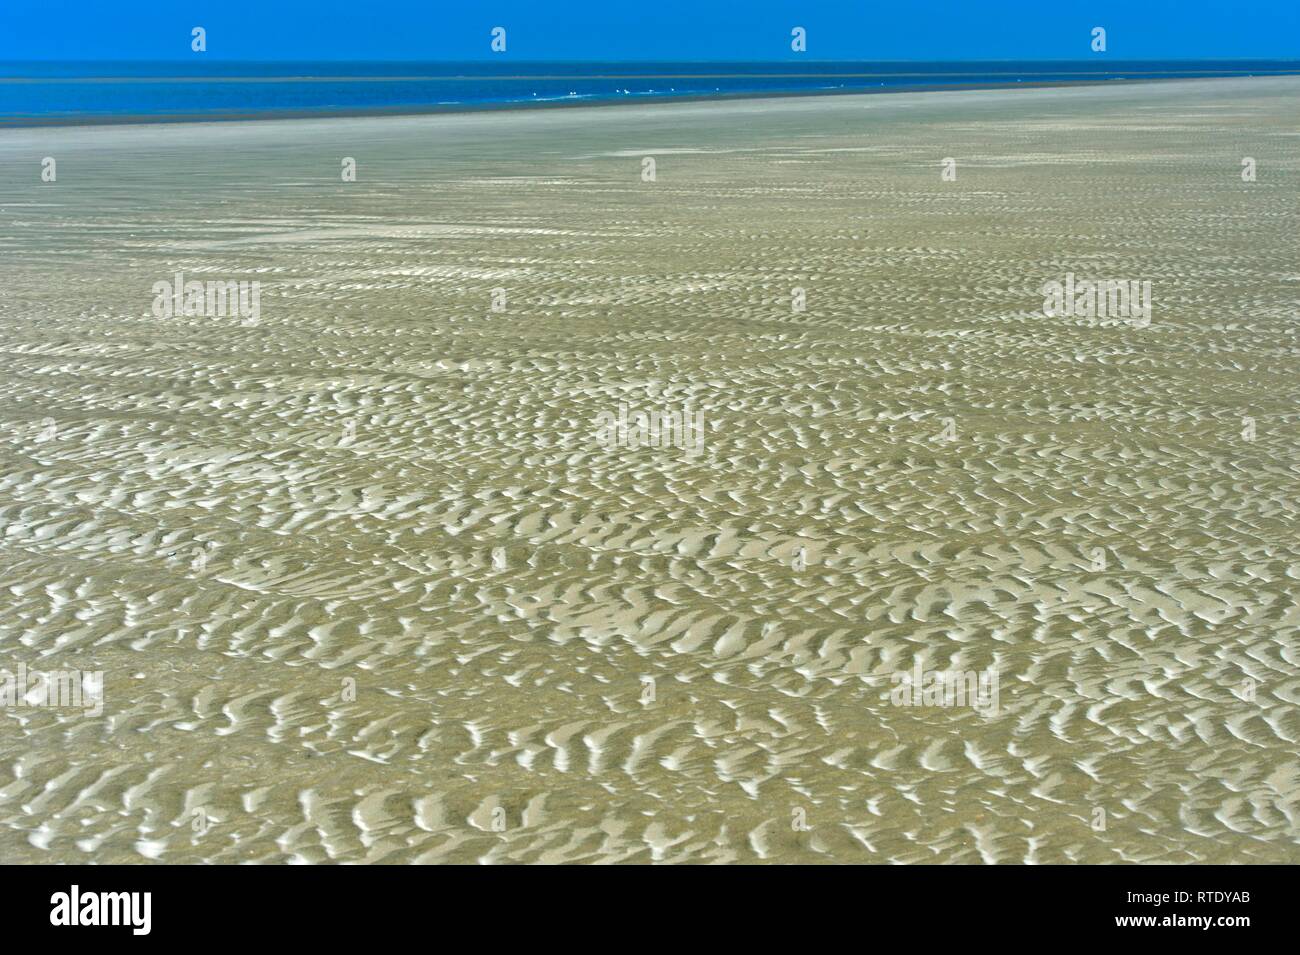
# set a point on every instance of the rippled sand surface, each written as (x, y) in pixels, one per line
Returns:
(365, 587)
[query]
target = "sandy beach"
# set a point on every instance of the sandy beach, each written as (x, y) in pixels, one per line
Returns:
(365, 583)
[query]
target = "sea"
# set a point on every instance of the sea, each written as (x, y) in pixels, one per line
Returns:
(56, 93)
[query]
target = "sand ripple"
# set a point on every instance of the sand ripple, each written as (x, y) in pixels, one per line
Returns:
(365, 588)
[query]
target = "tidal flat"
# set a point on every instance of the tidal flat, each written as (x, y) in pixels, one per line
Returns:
(374, 572)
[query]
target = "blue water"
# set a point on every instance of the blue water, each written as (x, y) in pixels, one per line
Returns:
(44, 93)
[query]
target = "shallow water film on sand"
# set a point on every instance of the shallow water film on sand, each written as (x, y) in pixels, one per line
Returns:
(902, 478)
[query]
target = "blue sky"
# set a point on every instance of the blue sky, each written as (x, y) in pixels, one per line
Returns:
(645, 29)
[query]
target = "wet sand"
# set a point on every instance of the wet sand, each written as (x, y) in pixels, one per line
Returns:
(365, 586)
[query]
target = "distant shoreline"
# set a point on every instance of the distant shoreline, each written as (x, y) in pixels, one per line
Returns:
(223, 116)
